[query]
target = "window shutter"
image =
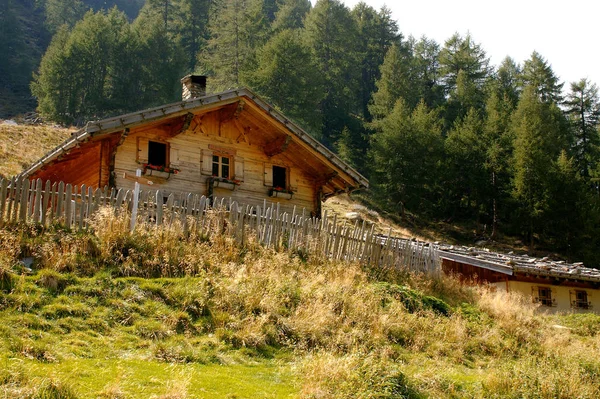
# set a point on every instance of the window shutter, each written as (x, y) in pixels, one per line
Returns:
(206, 168)
(239, 168)
(268, 174)
(173, 157)
(142, 150)
(535, 294)
(293, 179)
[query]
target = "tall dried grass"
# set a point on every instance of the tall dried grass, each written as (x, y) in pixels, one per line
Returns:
(357, 332)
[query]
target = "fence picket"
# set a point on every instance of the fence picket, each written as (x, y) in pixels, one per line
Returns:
(21, 200)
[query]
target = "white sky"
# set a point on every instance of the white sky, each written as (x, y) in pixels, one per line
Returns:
(565, 33)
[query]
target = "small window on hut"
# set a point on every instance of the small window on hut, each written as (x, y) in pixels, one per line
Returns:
(221, 166)
(157, 153)
(545, 296)
(579, 300)
(280, 177)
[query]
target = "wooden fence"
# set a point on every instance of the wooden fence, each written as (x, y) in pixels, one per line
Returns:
(72, 206)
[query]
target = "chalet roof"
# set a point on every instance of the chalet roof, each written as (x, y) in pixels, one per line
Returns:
(107, 126)
(512, 264)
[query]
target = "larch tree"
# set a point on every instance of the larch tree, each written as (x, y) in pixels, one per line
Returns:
(394, 82)
(290, 14)
(287, 76)
(538, 74)
(538, 142)
(237, 28)
(464, 68)
(331, 33)
(583, 111)
(406, 152)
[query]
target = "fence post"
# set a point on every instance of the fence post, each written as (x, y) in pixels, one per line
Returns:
(136, 197)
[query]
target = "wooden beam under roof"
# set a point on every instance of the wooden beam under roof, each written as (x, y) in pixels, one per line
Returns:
(277, 146)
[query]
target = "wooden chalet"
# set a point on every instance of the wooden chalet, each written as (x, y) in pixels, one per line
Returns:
(557, 286)
(230, 144)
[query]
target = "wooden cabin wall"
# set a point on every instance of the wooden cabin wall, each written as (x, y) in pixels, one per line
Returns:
(80, 166)
(469, 272)
(186, 152)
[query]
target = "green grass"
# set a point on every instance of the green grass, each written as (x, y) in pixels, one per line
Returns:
(154, 314)
(136, 378)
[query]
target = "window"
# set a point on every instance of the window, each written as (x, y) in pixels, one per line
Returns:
(157, 153)
(279, 177)
(220, 166)
(545, 296)
(579, 299)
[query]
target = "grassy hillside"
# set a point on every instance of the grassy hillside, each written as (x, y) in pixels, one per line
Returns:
(108, 314)
(21, 145)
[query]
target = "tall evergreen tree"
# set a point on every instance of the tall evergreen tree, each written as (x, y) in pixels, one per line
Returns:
(377, 32)
(538, 74)
(191, 28)
(427, 75)
(237, 29)
(497, 142)
(506, 82)
(331, 32)
(406, 151)
(394, 83)
(464, 67)
(466, 177)
(287, 76)
(290, 14)
(536, 126)
(583, 110)
(63, 12)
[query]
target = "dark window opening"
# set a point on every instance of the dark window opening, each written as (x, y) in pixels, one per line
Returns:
(280, 177)
(581, 300)
(220, 166)
(545, 296)
(157, 153)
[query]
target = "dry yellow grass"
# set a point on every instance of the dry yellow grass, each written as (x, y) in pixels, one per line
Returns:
(21, 145)
(347, 331)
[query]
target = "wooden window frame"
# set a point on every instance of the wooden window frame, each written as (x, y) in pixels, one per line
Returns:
(576, 303)
(167, 152)
(546, 301)
(220, 165)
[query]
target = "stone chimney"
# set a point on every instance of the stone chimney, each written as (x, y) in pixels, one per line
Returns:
(194, 86)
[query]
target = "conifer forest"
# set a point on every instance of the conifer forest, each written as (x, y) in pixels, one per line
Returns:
(441, 133)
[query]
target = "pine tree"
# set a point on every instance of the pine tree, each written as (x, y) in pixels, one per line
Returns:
(426, 77)
(497, 142)
(160, 59)
(538, 74)
(377, 32)
(466, 177)
(394, 83)
(290, 15)
(506, 82)
(286, 75)
(583, 110)
(464, 67)
(331, 33)
(406, 153)
(52, 85)
(237, 29)
(63, 12)
(536, 126)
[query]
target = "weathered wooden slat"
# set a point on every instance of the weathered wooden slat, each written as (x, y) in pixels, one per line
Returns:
(24, 201)
(3, 200)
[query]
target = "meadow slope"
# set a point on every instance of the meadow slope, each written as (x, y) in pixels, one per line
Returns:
(109, 314)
